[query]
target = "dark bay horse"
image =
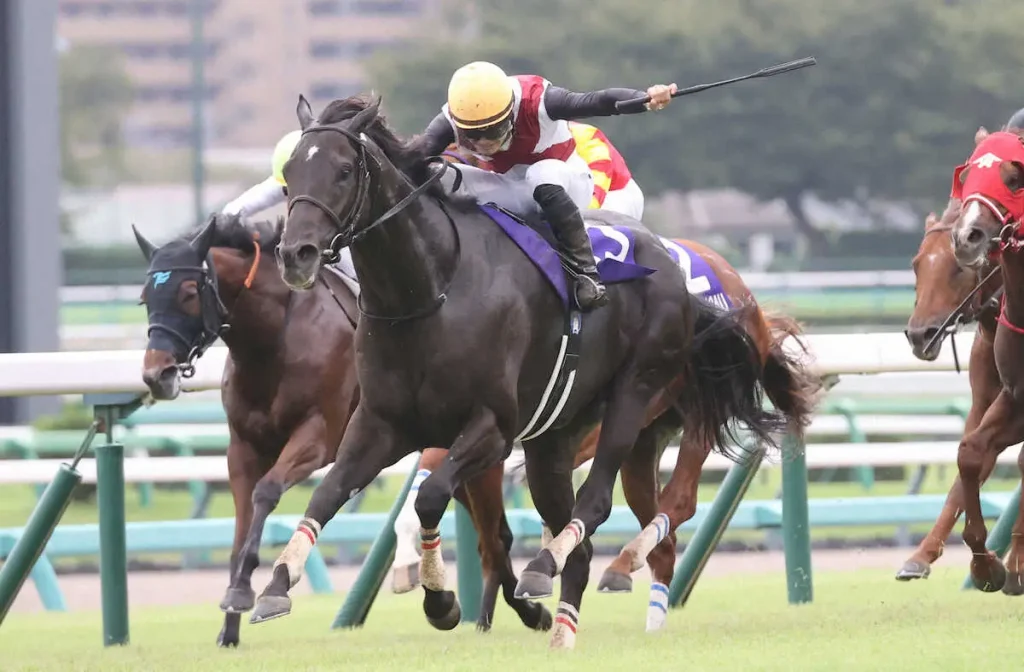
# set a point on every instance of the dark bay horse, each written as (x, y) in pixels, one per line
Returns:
(289, 382)
(991, 188)
(787, 384)
(457, 336)
(946, 294)
(289, 389)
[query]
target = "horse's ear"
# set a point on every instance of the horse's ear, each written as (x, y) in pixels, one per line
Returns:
(202, 242)
(147, 247)
(980, 135)
(1012, 173)
(304, 112)
(362, 120)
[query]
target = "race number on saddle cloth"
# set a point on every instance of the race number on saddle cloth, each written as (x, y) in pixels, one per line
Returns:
(613, 253)
(984, 184)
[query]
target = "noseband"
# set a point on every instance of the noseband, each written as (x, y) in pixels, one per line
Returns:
(211, 309)
(215, 315)
(968, 310)
(345, 235)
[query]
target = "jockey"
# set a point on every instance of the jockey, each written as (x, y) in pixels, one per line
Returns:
(519, 124)
(273, 190)
(614, 186)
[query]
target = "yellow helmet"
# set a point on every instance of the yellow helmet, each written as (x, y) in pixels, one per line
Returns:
(282, 152)
(479, 95)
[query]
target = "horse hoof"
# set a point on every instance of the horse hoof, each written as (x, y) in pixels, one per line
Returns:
(996, 578)
(534, 586)
(450, 620)
(546, 621)
(227, 640)
(405, 579)
(615, 582)
(1014, 586)
(269, 607)
(238, 600)
(483, 625)
(913, 569)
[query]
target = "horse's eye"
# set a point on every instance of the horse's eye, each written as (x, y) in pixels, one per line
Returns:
(345, 171)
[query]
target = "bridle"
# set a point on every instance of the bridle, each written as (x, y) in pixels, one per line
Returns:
(968, 310)
(347, 235)
(215, 316)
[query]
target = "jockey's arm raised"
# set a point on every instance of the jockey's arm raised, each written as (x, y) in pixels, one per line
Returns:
(559, 103)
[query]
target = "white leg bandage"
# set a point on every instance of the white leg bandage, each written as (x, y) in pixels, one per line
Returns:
(294, 555)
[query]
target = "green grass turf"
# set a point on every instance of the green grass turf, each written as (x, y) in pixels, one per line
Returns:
(859, 621)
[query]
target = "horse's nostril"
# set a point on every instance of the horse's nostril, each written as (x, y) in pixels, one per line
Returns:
(306, 253)
(929, 334)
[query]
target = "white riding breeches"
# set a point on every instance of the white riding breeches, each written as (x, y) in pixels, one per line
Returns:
(627, 201)
(513, 190)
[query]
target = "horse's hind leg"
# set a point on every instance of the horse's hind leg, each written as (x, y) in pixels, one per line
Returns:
(622, 424)
(1000, 427)
(640, 487)
(369, 446)
(1015, 558)
(549, 467)
(483, 496)
(405, 570)
(479, 446)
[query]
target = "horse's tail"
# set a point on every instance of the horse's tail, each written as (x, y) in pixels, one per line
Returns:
(725, 382)
(792, 388)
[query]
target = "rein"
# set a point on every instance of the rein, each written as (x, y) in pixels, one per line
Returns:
(346, 235)
(215, 315)
(959, 316)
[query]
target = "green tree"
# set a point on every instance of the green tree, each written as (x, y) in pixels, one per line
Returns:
(95, 95)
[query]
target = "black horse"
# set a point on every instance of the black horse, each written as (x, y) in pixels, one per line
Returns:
(456, 344)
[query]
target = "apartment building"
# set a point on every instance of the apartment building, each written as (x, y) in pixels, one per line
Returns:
(259, 56)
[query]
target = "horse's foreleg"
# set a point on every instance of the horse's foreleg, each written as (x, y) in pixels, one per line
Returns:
(243, 472)
(369, 446)
(303, 453)
(985, 386)
(1015, 558)
(479, 446)
(1000, 427)
(405, 570)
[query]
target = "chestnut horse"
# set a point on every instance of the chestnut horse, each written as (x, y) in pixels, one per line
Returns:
(289, 386)
(788, 385)
(991, 188)
(946, 296)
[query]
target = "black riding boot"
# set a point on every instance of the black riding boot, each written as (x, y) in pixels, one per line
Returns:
(567, 224)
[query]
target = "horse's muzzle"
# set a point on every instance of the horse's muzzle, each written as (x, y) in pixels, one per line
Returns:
(298, 264)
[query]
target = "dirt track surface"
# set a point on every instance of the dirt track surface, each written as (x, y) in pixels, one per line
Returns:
(82, 591)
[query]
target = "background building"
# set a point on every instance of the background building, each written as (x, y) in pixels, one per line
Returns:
(260, 55)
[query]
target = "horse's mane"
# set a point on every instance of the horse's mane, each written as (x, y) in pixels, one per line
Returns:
(407, 156)
(231, 232)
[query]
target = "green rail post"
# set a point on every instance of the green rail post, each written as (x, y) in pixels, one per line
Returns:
(470, 572)
(796, 529)
(110, 489)
(1001, 534)
(704, 541)
(371, 577)
(39, 528)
